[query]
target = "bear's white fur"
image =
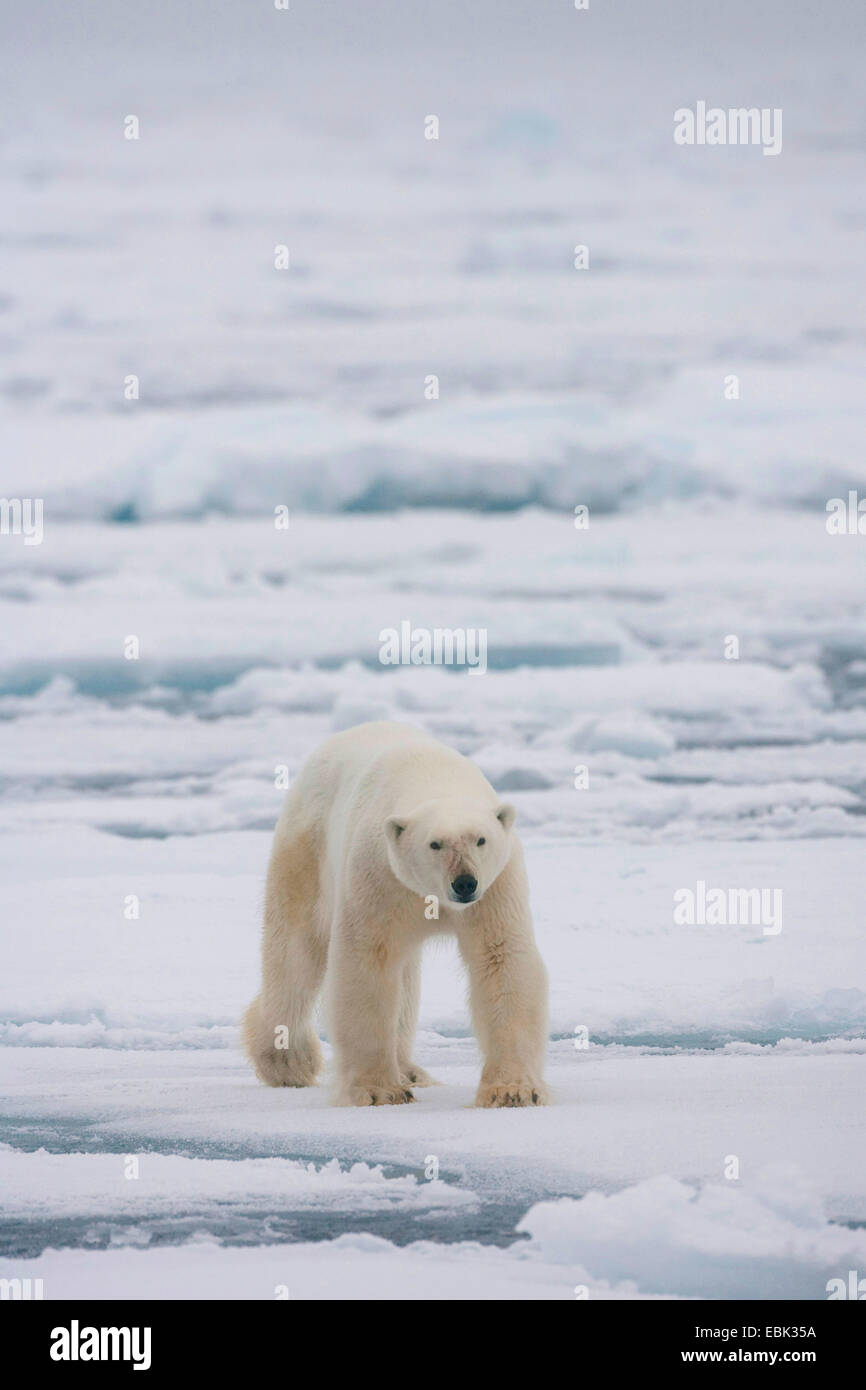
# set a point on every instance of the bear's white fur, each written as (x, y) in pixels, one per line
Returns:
(350, 890)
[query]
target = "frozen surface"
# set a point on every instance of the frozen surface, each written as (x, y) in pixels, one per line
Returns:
(137, 797)
(348, 1267)
(589, 1168)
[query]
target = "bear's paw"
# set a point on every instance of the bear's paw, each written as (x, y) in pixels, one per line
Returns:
(497, 1094)
(364, 1093)
(414, 1075)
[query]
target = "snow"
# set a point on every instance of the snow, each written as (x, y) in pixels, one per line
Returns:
(101, 1185)
(349, 1267)
(138, 797)
(618, 1199)
(772, 1241)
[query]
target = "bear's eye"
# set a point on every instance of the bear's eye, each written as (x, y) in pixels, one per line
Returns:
(434, 844)
(482, 841)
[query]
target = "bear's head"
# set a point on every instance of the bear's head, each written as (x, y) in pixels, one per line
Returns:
(449, 849)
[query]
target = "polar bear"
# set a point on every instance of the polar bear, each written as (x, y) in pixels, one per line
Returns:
(383, 828)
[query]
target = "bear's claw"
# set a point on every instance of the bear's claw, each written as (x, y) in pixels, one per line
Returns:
(417, 1076)
(375, 1095)
(511, 1093)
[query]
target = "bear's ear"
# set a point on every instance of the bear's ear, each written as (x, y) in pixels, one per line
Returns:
(506, 815)
(394, 828)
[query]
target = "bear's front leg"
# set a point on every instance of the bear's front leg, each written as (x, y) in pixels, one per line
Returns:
(508, 995)
(365, 1002)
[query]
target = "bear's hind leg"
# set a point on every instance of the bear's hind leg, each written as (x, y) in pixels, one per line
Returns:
(279, 1036)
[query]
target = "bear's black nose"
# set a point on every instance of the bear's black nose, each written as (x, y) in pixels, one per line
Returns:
(464, 886)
